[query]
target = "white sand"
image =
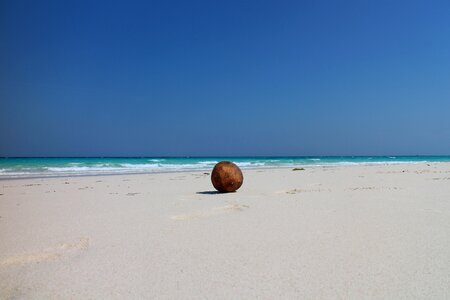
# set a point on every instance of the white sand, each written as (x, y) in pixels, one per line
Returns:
(362, 232)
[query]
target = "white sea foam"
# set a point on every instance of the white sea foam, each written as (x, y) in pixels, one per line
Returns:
(250, 164)
(16, 174)
(140, 166)
(81, 169)
(350, 163)
(187, 166)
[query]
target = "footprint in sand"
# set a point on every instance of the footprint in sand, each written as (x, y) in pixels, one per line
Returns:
(365, 188)
(297, 191)
(48, 254)
(177, 178)
(132, 194)
(441, 178)
(213, 212)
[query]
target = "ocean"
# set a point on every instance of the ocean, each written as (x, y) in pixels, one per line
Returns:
(54, 167)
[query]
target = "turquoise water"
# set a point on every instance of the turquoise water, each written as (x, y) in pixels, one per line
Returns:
(49, 167)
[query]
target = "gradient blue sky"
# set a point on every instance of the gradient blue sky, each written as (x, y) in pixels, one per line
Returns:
(178, 78)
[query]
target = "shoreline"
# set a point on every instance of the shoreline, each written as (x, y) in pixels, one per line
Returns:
(331, 165)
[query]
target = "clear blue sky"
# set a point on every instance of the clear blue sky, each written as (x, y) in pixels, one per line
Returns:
(163, 78)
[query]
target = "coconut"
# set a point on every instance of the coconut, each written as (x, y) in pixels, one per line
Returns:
(226, 177)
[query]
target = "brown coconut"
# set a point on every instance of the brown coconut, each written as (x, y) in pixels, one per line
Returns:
(226, 177)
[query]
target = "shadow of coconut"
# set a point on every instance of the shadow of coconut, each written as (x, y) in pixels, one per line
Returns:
(210, 193)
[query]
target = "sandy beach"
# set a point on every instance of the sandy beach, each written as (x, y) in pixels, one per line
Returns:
(342, 232)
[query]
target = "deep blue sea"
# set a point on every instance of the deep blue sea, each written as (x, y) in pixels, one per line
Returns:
(50, 167)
